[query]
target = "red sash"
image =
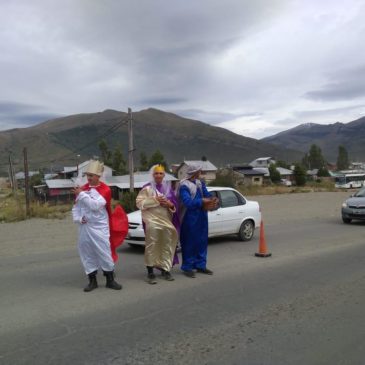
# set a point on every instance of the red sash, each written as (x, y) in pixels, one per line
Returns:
(118, 219)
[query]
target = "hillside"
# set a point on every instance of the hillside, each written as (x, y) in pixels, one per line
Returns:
(328, 137)
(59, 141)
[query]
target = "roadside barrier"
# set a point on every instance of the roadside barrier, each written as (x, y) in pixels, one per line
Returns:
(262, 245)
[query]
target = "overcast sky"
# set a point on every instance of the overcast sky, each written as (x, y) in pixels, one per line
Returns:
(254, 67)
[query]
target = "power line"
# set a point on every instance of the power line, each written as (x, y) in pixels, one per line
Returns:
(108, 132)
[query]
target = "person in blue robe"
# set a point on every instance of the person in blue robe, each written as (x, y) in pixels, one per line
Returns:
(195, 201)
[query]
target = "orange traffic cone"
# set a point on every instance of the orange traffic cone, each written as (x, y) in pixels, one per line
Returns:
(262, 245)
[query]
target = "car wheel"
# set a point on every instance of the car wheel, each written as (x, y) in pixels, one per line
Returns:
(246, 231)
(346, 220)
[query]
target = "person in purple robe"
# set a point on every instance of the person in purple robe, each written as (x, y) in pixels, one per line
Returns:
(158, 204)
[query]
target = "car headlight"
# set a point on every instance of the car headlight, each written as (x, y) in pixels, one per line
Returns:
(344, 205)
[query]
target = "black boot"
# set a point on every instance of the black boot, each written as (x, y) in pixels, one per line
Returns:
(93, 284)
(110, 282)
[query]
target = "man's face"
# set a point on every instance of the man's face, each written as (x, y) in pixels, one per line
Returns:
(158, 176)
(196, 175)
(93, 179)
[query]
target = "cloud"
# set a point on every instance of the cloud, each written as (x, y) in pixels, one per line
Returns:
(345, 84)
(16, 115)
(211, 117)
(252, 65)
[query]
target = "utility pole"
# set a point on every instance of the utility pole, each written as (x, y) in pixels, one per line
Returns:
(130, 151)
(26, 179)
(12, 176)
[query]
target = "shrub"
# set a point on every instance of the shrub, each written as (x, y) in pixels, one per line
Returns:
(223, 180)
(128, 201)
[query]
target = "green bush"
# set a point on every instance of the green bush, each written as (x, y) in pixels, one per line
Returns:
(128, 201)
(223, 180)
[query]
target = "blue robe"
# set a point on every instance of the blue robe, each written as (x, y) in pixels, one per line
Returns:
(194, 229)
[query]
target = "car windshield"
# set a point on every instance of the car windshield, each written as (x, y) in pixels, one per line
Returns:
(360, 193)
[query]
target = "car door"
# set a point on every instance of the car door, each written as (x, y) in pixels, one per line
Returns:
(214, 218)
(232, 211)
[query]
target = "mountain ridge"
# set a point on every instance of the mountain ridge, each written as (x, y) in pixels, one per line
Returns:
(62, 139)
(327, 136)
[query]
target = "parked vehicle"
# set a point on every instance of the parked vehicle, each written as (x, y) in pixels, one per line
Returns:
(354, 207)
(350, 181)
(286, 182)
(235, 215)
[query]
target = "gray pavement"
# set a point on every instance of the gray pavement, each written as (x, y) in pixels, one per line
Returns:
(304, 305)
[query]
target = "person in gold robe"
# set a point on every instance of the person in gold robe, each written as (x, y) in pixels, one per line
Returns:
(158, 204)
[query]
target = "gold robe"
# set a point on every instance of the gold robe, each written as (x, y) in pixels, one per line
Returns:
(161, 235)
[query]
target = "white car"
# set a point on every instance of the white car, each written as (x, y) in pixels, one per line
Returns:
(286, 182)
(235, 215)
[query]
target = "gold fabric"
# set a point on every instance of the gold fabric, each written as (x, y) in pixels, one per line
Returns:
(161, 235)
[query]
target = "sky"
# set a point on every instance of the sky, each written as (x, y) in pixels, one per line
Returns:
(253, 67)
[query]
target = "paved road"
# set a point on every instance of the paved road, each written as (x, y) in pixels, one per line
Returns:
(305, 305)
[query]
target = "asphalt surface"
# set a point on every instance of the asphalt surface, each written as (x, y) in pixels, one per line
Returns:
(304, 305)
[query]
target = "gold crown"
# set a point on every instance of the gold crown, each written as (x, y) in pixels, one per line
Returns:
(158, 168)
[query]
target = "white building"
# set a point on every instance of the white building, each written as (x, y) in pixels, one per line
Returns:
(262, 162)
(209, 171)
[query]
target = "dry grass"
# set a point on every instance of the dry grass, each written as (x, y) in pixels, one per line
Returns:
(12, 209)
(310, 187)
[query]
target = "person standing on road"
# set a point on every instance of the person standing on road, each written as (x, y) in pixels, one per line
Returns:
(195, 201)
(92, 212)
(158, 204)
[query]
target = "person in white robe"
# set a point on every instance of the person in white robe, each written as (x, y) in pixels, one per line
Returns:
(91, 213)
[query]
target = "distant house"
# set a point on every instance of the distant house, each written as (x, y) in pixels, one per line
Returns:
(286, 173)
(209, 171)
(248, 176)
(262, 162)
(58, 190)
(120, 184)
(357, 166)
(20, 178)
(21, 175)
(69, 172)
(312, 174)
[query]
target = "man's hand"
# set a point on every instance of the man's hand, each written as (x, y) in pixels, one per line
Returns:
(210, 203)
(77, 190)
(162, 200)
(83, 220)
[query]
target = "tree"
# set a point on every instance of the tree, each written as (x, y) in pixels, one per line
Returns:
(283, 164)
(323, 172)
(299, 175)
(315, 158)
(305, 161)
(143, 162)
(119, 164)
(342, 159)
(157, 159)
(106, 155)
(274, 173)
(35, 180)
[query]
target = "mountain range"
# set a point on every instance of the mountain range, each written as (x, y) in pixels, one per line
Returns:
(328, 137)
(60, 141)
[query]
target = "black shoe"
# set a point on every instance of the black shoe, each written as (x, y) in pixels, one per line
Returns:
(190, 274)
(167, 275)
(151, 279)
(205, 271)
(110, 282)
(93, 284)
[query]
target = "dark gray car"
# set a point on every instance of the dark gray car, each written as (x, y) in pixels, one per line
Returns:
(354, 207)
